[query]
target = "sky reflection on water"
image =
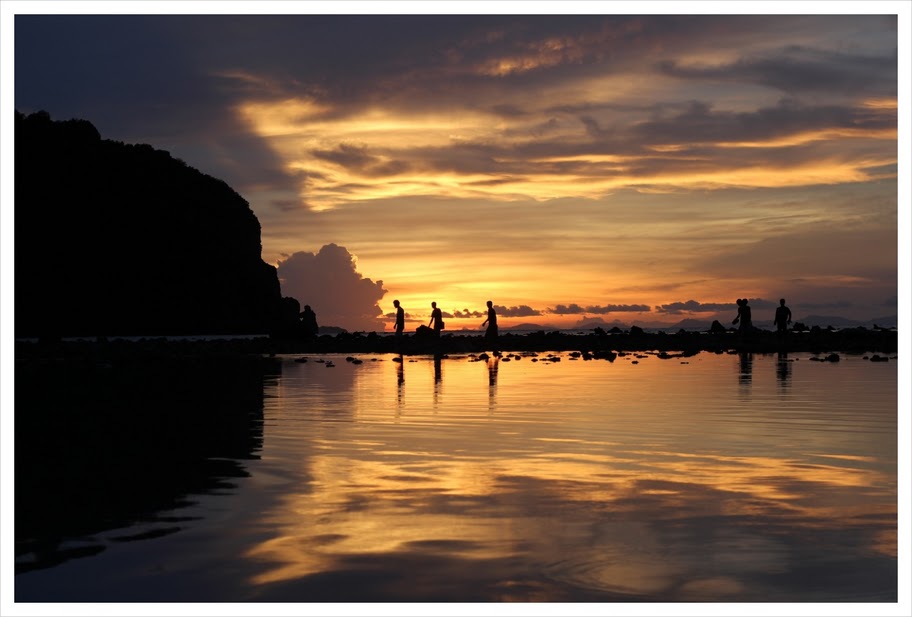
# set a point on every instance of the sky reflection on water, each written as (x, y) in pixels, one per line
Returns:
(698, 479)
(711, 478)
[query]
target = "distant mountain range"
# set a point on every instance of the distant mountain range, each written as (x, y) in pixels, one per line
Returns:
(810, 320)
(822, 321)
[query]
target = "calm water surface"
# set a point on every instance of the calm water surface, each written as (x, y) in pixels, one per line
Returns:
(716, 477)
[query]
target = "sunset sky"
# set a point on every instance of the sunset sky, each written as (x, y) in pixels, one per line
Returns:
(632, 168)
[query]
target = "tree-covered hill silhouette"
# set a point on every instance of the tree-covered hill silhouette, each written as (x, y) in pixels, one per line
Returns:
(121, 239)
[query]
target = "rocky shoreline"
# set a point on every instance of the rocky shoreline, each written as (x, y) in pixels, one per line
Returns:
(814, 340)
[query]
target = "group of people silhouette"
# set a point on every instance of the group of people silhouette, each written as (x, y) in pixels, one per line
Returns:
(782, 319)
(308, 319)
(743, 319)
(436, 323)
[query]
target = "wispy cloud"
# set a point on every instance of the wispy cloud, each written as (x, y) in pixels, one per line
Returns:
(797, 69)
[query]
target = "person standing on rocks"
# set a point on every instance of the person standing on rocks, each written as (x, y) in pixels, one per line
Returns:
(491, 321)
(436, 322)
(783, 316)
(744, 316)
(400, 318)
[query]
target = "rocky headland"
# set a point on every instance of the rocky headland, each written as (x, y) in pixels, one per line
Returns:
(120, 239)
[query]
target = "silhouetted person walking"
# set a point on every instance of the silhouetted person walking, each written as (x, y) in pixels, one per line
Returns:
(400, 318)
(436, 322)
(744, 316)
(309, 322)
(491, 321)
(783, 316)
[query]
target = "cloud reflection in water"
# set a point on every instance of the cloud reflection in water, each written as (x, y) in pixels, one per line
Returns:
(417, 501)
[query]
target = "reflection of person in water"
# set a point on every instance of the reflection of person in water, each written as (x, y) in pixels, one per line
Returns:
(491, 322)
(309, 322)
(436, 322)
(493, 364)
(400, 382)
(783, 316)
(400, 318)
(783, 368)
(746, 372)
(744, 316)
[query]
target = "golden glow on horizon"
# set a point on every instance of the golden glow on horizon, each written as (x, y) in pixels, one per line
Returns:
(371, 170)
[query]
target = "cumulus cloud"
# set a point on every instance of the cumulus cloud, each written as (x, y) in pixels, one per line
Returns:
(329, 282)
(467, 314)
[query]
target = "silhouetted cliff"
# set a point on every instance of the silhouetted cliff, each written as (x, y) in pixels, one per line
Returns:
(121, 239)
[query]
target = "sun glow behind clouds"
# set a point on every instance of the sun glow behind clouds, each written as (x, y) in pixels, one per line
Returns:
(510, 154)
(372, 155)
(378, 152)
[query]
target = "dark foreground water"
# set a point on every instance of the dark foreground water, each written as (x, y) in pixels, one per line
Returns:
(710, 478)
